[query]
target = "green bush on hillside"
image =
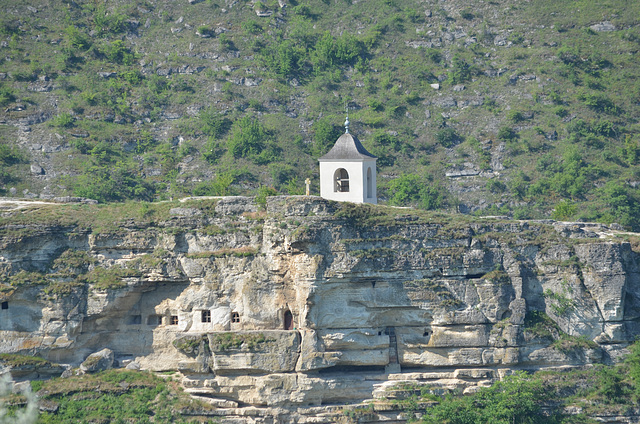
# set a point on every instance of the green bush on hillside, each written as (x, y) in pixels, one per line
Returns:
(516, 399)
(410, 189)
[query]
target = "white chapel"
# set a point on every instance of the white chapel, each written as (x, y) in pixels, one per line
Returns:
(348, 171)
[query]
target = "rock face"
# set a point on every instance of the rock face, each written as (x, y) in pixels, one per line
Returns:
(312, 302)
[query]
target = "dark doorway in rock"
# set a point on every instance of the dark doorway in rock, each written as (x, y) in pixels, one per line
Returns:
(288, 320)
(5, 305)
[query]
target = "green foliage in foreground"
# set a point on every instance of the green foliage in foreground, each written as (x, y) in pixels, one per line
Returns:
(516, 399)
(542, 397)
(115, 396)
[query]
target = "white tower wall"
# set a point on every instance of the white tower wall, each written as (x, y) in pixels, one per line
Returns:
(358, 185)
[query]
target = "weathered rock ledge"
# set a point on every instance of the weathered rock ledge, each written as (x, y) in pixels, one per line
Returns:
(287, 311)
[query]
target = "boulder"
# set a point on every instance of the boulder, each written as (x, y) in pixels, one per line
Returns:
(98, 361)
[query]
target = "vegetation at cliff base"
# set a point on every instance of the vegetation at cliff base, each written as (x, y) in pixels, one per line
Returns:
(115, 396)
(573, 396)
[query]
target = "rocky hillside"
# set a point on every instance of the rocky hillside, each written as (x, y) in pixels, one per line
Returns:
(527, 109)
(297, 305)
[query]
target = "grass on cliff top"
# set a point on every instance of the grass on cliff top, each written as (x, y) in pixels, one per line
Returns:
(101, 218)
(379, 215)
(116, 396)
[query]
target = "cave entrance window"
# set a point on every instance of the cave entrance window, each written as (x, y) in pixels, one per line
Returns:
(5, 305)
(154, 320)
(288, 320)
(341, 178)
(235, 317)
(134, 319)
(173, 320)
(206, 316)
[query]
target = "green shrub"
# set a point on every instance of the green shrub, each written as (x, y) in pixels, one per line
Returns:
(433, 55)
(9, 26)
(218, 187)
(248, 138)
(561, 302)
(213, 123)
(64, 120)
(495, 186)
(497, 276)
(108, 22)
(226, 43)
(507, 134)
(599, 103)
(10, 155)
(325, 134)
(539, 324)
(112, 182)
(117, 52)
(71, 260)
(515, 116)
(6, 96)
(251, 27)
(205, 31)
(630, 151)
(330, 52)
(447, 137)
(561, 111)
(24, 278)
(76, 39)
(263, 193)
(564, 210)
(467, 14)
(517, 398)
(233, 341)
(410, 189)
(132, 77)
(569, 344)
(460, 71)
(144, 141)
(282, 58)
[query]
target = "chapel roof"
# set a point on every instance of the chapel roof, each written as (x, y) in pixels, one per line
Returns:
(347, 147)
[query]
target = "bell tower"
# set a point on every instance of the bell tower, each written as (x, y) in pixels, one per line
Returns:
(348, 171)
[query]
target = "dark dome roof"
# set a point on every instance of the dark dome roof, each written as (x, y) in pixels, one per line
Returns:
(347, 147)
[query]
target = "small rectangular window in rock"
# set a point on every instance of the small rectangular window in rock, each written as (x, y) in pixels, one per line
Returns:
(5, 305)
(154, 320)
(235, 317)
(174, 320)
(206, 316)
(134, 319)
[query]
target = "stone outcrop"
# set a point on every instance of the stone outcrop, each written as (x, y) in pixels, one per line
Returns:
(312, 302)
(98, 361)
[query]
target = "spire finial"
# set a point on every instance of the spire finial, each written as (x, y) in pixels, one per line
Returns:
(346, 122)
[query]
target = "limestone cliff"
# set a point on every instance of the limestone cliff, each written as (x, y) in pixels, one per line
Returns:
(306, 302)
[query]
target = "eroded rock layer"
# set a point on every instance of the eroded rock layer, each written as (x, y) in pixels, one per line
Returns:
(307, 302)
